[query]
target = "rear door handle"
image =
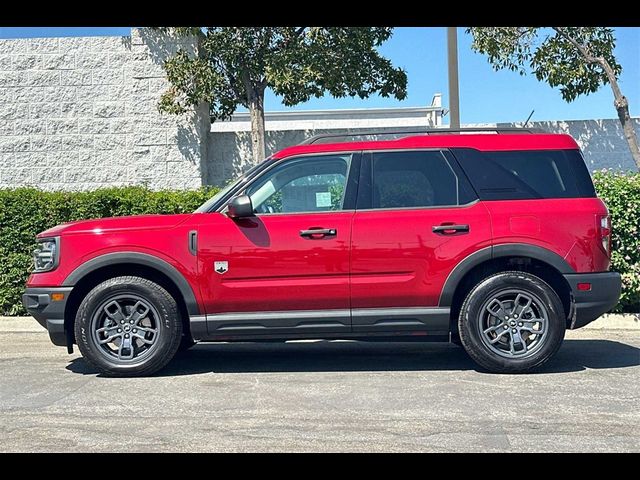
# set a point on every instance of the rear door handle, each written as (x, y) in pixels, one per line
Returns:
(318, 233)
(449, 229)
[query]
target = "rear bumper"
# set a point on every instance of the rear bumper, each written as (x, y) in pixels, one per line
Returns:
(602, 297)
(48, 313)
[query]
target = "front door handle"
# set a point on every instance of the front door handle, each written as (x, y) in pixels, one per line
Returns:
(449, 229)
(318, 233)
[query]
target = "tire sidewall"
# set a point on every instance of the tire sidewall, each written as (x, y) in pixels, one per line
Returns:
(168, 324)
(470, 331)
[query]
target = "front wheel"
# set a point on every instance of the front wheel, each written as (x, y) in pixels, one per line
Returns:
(128, 326)
(512, 322)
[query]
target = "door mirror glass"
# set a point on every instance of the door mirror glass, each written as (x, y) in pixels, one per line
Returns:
(240, 207)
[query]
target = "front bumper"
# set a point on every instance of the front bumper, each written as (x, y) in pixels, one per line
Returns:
(602, 297)
(48, 313)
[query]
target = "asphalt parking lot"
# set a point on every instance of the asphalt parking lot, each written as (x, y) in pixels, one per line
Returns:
(326, 396)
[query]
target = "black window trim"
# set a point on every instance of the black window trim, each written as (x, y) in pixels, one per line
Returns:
(351, 181)
(365, 193)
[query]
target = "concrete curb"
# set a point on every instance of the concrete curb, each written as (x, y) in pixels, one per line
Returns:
(20, 324)
(616, 321)
(612, 321)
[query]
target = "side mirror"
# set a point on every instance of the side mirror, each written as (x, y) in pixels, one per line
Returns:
(240, 207)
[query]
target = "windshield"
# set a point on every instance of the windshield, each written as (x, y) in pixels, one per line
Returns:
(208, 205)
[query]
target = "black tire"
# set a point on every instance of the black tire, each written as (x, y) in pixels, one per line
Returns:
(119, 296)
(488, 296)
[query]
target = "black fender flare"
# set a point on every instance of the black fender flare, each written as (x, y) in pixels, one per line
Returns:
(137, 258)
(497, 251)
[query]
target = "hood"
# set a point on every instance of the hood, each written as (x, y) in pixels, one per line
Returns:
(115, 224)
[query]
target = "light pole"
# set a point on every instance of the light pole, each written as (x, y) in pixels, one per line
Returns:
(452, 58)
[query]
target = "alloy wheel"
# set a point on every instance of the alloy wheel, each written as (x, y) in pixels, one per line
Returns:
(513, 323)
(125, 328)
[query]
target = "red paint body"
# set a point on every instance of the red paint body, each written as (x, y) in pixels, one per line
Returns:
(478, 141)
(271, 267)
(162, 236)
(379, 258)
(564, 226)
(397, 260)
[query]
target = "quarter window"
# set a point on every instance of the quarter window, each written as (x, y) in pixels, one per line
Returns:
(415, 179)
(531, 174)
(310, 184)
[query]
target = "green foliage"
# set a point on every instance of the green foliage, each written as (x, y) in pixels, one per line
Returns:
(621, 193)
(551, 55)
(24, 212)
(236, 64)
(337, 195)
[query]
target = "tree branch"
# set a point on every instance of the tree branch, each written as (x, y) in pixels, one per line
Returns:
(620, 102)
(288, 41)
(584, 51)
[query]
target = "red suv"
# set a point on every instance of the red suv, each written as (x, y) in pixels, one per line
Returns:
(496, 241)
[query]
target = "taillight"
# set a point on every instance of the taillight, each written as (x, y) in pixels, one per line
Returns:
(604, 231)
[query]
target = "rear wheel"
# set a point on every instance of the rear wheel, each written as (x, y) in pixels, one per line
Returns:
(511, 322)
(128, 326)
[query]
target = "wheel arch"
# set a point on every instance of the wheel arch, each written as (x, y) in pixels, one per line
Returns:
(88, 275)
(547, 265)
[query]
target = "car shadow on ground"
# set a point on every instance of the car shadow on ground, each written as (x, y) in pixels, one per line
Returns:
(328, 356)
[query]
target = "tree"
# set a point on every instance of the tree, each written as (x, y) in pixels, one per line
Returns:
(579, 60)
(235, 65)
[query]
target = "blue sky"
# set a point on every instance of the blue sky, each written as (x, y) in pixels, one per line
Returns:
(485, 95)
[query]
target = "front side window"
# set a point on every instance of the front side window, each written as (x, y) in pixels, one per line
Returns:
(308, 184)
(415, 179)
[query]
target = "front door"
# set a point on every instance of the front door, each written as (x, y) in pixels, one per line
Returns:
(416, 219)
(286, 270)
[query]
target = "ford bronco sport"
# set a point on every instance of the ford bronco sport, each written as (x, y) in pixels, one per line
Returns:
(493, 240)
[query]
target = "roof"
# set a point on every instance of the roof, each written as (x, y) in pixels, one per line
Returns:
(482, 142)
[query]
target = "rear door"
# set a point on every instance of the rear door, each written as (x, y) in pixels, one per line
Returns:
(416, 219)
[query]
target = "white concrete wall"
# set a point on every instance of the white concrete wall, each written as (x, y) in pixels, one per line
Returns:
(81, 113)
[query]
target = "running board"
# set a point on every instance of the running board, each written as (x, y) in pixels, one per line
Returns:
(411, 321)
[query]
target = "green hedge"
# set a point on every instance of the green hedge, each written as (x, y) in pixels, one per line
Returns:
(621, 193)
(26, 211)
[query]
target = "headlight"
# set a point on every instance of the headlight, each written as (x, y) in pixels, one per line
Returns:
(47, 254)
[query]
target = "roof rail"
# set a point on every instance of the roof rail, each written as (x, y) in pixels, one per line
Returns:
(343, 137)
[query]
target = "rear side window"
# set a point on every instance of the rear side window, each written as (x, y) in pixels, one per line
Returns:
(531, 174)
(411, 179)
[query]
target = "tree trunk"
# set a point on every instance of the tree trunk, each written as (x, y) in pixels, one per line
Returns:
(622, 107)
(256, 111)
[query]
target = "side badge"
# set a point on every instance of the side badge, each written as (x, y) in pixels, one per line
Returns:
(221, 267)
